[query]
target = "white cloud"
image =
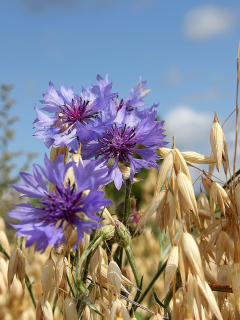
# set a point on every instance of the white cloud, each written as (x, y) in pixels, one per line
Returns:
(208, 21)
(192, 133)
(190, 128)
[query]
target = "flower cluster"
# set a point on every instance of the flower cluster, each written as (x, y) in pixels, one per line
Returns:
(111, 134)
(66, 206)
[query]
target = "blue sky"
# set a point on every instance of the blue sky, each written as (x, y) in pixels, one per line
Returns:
(186, 50)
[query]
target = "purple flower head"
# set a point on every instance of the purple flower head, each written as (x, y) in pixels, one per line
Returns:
(120, 141)
(71, 111)
(134, 100)
(66, 206)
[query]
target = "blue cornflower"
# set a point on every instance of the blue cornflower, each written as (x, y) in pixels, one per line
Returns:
(72, 113)
(66, 206)
(121, 139)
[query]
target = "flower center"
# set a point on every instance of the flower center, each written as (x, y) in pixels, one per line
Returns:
(77, 111)
(63, 205)
(118, 142)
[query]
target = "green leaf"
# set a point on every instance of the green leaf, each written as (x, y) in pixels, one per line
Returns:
(92, 306)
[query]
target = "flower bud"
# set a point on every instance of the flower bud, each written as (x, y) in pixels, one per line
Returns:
(16, 266)
(120, 208)
(132, 223)
(107, 232)
(122, 235)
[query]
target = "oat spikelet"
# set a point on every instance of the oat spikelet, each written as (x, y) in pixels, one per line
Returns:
(172, 215)
(43, 310)
(197, 158)
(163, 171)
(160, 199)
(2, 225)
(185, 188)
(225, 156)
(16, 267)
(59, 270)
(69, 309)
(224, 244)
(223, 278)
(164, 151)
(126, 174)
(211, 166)
(216, 139)
(235, 277)
(48, 277)
(55, 152)
(191, 251)
(212, 302)
(202, 202)
(171, 268)
(213, 199)
(69, 177)
(180, 159)
(114, 275)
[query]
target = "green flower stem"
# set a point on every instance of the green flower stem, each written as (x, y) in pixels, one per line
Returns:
(80, 285)
(159, 272)
(21, 243)
(134, 269)
(169, 295)
(127, 205)
(89, 257)
(237, 173)
(27, 281)
(126, 213)
(168, 309)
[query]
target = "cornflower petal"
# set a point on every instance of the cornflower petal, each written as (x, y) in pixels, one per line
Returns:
(120, 140)
(66, 206)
